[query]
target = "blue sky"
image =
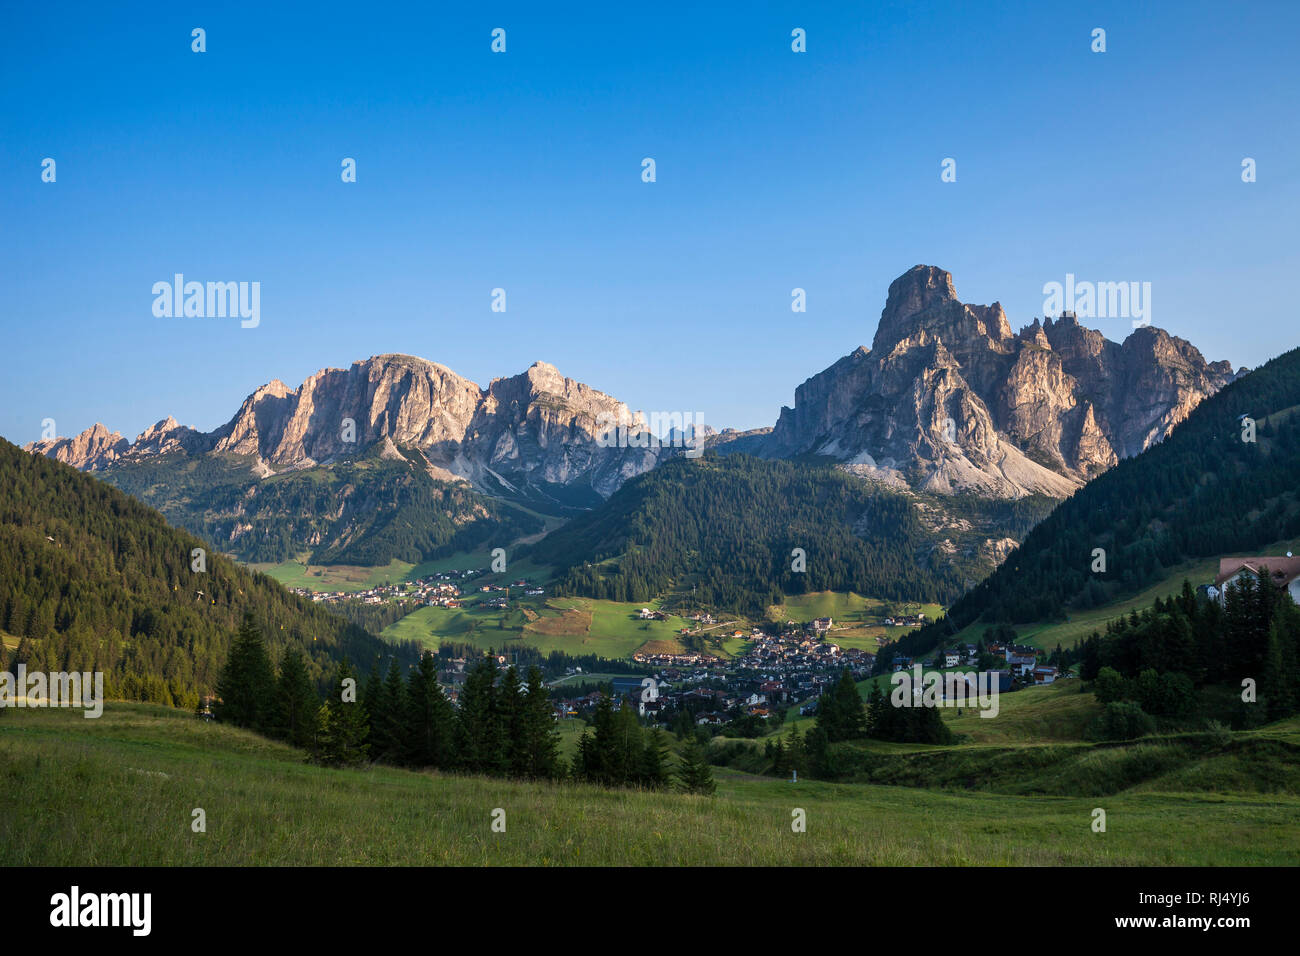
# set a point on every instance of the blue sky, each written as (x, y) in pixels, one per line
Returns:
(522, 171)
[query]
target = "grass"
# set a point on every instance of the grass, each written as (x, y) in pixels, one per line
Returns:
(335, 577)
(1046, 635)
(121, 790)
(856, 618)
(575, 626)
(1055, 712)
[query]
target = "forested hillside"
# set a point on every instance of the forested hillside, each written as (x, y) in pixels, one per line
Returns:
(366, 511)
(90, 579)
(1206, 490)
(728, 526)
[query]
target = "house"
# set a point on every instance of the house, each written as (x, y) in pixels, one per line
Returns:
(1021, 660)
(1281, 572)
(1044, 675)
(951, 658)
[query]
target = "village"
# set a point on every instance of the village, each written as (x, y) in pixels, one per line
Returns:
(783, 670)
(440, 589)
(783, 665)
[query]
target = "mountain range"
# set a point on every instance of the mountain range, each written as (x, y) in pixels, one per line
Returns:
(947, 401)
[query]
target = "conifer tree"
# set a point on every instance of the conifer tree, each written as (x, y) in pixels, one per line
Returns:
(839, 710)
(878, 712)
(603, 765)
(511, 708)
(388, 718)
(245, 687)
(625, 748)
(341, 742)
(296, 701)
(694, 775)
(541, 736)
(584, 758)
(480, 742)
(795, 753)
(654, 763)
(429, 729)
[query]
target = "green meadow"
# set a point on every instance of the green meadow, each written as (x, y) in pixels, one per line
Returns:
(335, 577)
(575, 626)
(121, 790)
(856, 617)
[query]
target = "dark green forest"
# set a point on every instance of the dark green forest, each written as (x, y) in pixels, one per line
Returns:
(728, 525)
(90, 579)
(1158, 660)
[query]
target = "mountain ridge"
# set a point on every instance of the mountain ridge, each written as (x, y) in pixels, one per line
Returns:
(948, 398)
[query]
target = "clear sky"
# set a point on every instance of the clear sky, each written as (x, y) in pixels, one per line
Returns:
(522, 171)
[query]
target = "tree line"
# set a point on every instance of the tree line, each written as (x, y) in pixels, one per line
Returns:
(502, 724)
(730, 526)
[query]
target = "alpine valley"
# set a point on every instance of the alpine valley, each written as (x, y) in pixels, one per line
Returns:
(953, 427)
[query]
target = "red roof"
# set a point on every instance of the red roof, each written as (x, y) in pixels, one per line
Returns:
(1282, 571)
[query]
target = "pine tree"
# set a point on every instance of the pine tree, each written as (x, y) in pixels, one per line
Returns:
(541, 735)
(878, 713)
(388, 718)
(584, 758)
(654, 766)
(510, 706)
(626, 748)
(341, 741)
(245, 687)
(694, 775)
(296, 701)
(430, 722)
(480, 741)
(603, 764)
(844, 718)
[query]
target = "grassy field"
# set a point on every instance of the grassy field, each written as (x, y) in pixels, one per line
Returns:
(856, 618)
(334, 577)
(573, 625)
(1054, 712)
(121, 790)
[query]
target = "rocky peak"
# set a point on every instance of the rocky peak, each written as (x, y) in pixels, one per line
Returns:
(924, 298)
(534, 425)
(90, 450)
(948, 399)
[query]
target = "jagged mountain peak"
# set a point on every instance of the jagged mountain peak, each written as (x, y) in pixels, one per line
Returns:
(948, 399)
(89, 450)
(925, 299)
(537, 425)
